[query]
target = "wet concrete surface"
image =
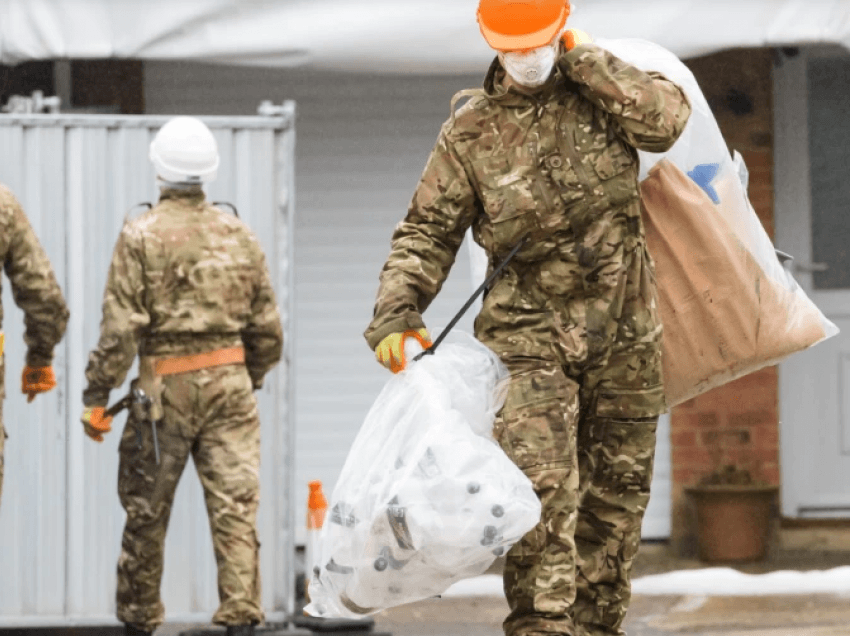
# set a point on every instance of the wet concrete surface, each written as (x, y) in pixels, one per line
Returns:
(821, 615)
(648, 616)
(685, 615)
(787, 615)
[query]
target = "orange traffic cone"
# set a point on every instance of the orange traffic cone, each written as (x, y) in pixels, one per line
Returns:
(317, 506)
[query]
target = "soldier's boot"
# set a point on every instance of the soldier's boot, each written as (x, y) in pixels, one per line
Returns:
(132, 630)
(240, 630)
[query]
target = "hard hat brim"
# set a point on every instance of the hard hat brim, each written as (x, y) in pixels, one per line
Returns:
(542, 37)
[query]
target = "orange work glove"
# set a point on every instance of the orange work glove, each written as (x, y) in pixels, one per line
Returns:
(94, 423)
(573, 38)
(35, 380)
(390, 351)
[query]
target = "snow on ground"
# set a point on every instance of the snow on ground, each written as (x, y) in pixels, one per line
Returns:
(706, 582)
(729, 582)
(485, 585)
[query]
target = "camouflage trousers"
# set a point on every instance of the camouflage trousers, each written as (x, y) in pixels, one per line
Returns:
(211, 415)
(590, 461)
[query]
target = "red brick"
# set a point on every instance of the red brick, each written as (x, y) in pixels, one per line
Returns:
(767, 456)
(744, 394)
(708, 419)
(683, 438)
(689, 476)
(752, 419)
(766, 436)
(757, 160)
(760, 189)
(697, 458)
(771, 476)
(680, 421)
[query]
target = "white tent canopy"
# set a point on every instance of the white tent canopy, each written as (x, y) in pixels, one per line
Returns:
(394, 36)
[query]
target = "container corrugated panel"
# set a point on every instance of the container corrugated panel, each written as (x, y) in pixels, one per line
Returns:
(60, 519)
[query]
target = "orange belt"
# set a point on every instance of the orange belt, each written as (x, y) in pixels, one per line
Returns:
(184, 364)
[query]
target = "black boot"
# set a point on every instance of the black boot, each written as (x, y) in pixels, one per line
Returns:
(132, 630)
(240, 630)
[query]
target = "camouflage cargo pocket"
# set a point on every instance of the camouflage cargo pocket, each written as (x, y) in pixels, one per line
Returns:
(624, 454)
(627, 404)
(506, 192)
(537, 426)
(632, 385)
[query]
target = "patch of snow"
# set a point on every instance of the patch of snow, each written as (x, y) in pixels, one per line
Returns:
(484, 585)
(700, 583)
(729, 582)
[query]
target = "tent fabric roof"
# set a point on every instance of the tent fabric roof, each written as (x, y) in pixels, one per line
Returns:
(414, 36)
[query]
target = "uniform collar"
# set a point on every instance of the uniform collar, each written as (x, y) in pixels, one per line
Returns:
(193, 194)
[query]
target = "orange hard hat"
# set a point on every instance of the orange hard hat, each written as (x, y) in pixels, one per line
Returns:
(514, 25)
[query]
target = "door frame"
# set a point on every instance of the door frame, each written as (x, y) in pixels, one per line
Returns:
(793, 234)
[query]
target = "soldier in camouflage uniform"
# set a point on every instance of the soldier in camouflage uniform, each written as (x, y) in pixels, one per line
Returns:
(37, 293)
(189, 289)
(549, 155)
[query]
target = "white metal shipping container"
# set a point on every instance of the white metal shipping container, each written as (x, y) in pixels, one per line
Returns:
(60, 518)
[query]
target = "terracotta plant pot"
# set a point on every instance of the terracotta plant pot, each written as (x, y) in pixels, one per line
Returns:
(733, 521)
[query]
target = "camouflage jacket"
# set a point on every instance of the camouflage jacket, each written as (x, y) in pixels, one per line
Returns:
(557, 165)
(34, 285)
(185, 278)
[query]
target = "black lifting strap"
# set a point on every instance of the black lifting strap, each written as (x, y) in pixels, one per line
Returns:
(229, 205)
(430, 350)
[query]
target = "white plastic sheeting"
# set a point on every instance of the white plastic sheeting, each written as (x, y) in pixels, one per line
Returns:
(427, 36)
(60, 518)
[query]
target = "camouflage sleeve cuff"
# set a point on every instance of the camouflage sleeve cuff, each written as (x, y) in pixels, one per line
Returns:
(95, 397)
(397, 325)
(36, 358)
(569, 59)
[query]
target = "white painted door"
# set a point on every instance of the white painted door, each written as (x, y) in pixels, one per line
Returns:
(812, 183)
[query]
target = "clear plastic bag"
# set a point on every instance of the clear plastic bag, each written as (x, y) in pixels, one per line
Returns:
(426, 496)
(728, 305)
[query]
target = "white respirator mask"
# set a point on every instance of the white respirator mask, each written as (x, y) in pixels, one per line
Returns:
(530, 68)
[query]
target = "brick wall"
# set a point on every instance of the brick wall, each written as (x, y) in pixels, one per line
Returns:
(737, 423)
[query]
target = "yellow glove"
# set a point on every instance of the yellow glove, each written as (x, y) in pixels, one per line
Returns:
(94, 423)
(390, 351)
(35, 380)
(573, 38)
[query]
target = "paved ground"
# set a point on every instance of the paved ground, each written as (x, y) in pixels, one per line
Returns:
(649, 616)
(802, 615)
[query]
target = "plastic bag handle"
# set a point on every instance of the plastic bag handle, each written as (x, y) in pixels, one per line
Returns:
(430, 350)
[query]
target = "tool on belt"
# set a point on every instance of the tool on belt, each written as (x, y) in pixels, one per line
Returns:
(144, 398)
(139, 402)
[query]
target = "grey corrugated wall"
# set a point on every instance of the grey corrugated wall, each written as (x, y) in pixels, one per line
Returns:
(60, 519)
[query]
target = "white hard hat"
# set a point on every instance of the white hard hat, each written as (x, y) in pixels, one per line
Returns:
(184, 151)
